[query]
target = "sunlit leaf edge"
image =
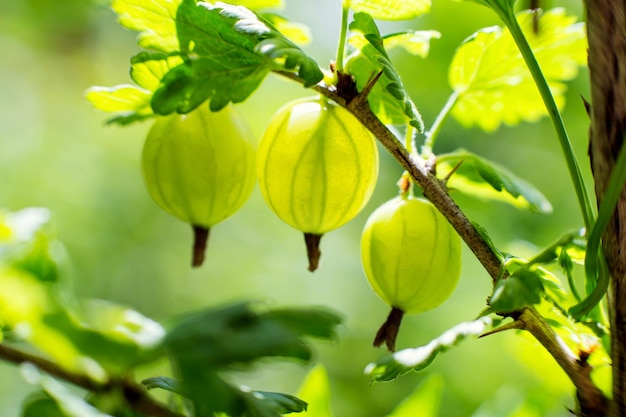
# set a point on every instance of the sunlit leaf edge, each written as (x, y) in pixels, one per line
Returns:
(404, 361)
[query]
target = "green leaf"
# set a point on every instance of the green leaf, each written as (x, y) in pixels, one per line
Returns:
(425, 401)
(154, 20)
(218, 52)
(147, 69)
(41, 405)
(485, 236)
(388, 99)
(415, 42)
(281, 403)
(404, 361)
(209, 342)
(297, 32)
(278, 402)
(390, 9)
(232, 335)
(481, 178)
(492, 81)
(162, 382)
(522, 288)
(315, 391)
(132, 103)
(316, 323)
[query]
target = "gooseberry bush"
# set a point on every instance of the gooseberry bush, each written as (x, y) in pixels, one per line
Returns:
(317, 165)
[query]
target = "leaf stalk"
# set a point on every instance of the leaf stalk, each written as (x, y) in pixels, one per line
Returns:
(508, 17)
(431, 135)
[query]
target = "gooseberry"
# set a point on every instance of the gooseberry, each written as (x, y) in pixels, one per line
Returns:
(412, 259)
(317, 167)
(199, 167)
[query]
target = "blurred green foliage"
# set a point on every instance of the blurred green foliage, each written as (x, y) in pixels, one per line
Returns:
(55, 152)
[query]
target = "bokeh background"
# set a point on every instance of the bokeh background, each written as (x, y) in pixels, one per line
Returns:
(56, 152)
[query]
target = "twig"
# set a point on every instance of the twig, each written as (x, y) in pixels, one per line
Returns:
(591, 400)
(136, 396)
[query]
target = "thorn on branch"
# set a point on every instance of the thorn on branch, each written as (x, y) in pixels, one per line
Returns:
(367, 89)
(514, 325)
(457, 166)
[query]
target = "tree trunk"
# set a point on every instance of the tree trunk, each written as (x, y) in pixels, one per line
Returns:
(606, 27)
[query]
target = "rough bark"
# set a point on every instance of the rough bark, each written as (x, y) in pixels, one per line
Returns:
(606, 26)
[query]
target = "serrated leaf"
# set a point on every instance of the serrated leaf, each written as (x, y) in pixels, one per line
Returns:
(391, 9)
(235, 46)
(493, 84)
(124, 98)
(315, 391)
(425, 401)
(130, 102)
(388, 99)
(481, 178)
(408, 360)
(521, 289)
(154, 20)
(218, 52)
(147, 69)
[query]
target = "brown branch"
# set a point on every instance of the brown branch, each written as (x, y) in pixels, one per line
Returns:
(606, 32)
(136, 396)
(592, 402)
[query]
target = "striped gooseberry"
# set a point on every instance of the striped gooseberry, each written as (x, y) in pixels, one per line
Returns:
(199, 167)
(412, 259)
(317, 167)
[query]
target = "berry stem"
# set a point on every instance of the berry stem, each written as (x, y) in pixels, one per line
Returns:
(200, 241)
(388, 332)
(313, 252)
(342, 36)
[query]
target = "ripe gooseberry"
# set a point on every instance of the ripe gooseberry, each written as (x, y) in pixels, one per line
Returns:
(199, 167)
(317, 167)
(412, 259)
